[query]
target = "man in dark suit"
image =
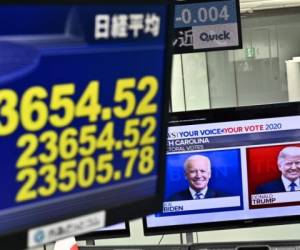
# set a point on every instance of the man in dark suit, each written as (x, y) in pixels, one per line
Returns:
(288, 162)
(197, 170)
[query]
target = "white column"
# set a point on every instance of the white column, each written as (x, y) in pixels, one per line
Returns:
(293, 79)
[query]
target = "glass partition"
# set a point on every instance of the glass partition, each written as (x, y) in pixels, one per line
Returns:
(266, 70)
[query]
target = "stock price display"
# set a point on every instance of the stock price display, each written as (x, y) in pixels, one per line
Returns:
(84, 116)
(81, 111)
(68, 156)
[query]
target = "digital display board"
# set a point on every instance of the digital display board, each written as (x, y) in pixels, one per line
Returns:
(83, 90)
(235, 167)
(206, 25)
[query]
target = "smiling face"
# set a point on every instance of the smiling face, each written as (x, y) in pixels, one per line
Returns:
(289, 163)
(198, 172)
(290, 167)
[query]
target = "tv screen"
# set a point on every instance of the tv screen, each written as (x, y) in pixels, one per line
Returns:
(118, 230)
(232, 167)
(83, 115)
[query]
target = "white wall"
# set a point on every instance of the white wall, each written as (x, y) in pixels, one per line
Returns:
(189, 89)
(196, 81)
(221, 75)
(177, 87)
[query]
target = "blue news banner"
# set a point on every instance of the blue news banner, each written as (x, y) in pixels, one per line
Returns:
(81, 92)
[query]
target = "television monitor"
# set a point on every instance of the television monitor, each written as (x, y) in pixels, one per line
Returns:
(83, 115)
(117, 230)
(234, 153)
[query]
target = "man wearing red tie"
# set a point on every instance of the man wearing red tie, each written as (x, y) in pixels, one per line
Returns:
(288, 162)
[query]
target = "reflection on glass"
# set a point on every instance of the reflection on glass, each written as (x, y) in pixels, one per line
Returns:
(266, 70)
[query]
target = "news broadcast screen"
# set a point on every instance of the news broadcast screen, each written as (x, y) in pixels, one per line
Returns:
(83, 115)
(231, 167)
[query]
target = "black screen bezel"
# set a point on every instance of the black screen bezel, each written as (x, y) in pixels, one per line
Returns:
(106, 234)
(224, 115)
(137, 208)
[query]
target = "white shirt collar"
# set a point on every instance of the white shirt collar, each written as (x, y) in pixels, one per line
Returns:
(287, 182)
(193, 192)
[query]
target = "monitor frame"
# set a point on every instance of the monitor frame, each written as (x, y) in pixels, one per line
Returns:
(224, 115)
(133, 209)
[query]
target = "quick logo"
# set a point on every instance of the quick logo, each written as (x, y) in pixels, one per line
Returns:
(224, 35)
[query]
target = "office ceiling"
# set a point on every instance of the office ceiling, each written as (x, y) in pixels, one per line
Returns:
(252, 5)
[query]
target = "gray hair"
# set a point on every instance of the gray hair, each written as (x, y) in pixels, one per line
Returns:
(196, 157)
(286, 152)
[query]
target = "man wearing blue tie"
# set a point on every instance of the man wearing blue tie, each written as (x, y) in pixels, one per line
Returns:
(288, 162)
(197, 171)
